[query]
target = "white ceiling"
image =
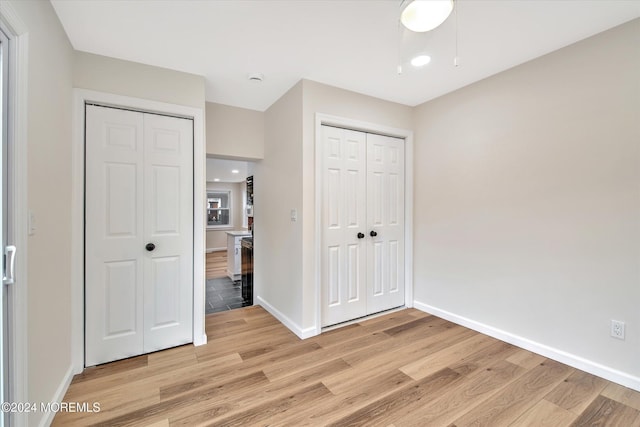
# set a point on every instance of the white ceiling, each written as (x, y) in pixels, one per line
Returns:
(220, 169)
(352, 44)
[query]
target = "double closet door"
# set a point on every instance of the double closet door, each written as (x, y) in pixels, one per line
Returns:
(138, 233)
(362, 224)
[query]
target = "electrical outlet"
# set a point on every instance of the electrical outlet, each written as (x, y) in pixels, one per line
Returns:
(617, 329)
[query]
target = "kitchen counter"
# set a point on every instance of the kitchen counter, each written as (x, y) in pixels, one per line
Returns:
(234, 262)
(236, 233)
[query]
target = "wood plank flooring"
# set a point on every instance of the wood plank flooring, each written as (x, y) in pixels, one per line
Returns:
(406, 368)
(216, 264)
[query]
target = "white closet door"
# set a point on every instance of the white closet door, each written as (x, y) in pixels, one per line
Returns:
(343, 217)
(139, 183)
(362, 224)
(114, 239)
(168, 224)
(385, 219)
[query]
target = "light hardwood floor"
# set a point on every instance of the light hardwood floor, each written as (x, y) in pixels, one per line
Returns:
(216, 264)
(402, 369)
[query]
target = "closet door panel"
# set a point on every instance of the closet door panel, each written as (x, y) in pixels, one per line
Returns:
(343, 258)
(385, 219)
(168, 207)
(114, 237)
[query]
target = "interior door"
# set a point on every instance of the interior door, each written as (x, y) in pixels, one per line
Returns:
(168, 225)
(344, 217)
(114, 240)
(362, 260)
(385, 219)
(138, 233)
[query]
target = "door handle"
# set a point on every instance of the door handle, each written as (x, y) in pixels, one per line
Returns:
(360, 235)
(10, 261)
(150, 247)
(373, 233)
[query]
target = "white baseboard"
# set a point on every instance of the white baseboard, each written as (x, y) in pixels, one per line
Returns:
(290, 324)
(47, 419)
(572, 360)
(209, 250)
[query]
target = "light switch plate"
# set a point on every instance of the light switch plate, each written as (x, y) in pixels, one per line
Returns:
(31, 223)
(294, 215)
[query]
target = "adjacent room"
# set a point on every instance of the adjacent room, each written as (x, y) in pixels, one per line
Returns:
(265, 212)
(229, 241)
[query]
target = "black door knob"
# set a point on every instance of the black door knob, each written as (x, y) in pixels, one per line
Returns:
(373, 233)
(360, 235)
(150, 247)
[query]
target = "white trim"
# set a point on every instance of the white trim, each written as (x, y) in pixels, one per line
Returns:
(293, 326)
(47, 419)
(407, 135)
(363, 319)
(18, 113)
(77, 218)
(561, 356)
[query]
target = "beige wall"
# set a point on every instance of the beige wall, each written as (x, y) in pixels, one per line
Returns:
(278, 189)
(127, 78)
(49, 197)
(234, 132)
(218, 238)
(527, 215)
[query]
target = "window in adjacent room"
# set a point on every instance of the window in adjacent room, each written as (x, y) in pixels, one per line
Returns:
(218, 209)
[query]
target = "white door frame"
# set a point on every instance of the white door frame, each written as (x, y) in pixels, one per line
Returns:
(18, 35)
(82, 96)
(407, 135)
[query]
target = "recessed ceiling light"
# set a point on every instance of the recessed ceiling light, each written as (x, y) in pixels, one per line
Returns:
(256, 77)
(216, 179)
(420, 60)
(235, 171)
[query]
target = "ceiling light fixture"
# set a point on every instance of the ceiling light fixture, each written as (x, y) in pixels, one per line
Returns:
(425, 15)
(216, 179)
(420, 60)
(235, 171)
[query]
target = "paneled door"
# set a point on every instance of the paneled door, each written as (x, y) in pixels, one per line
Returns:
(344, 223)
(385, 219)
(138, 233)
(362, 260)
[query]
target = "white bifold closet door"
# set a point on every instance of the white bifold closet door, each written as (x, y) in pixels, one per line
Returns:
(138, 233)
(362, 257)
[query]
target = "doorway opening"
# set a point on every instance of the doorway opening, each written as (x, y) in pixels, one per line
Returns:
(229, 238)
